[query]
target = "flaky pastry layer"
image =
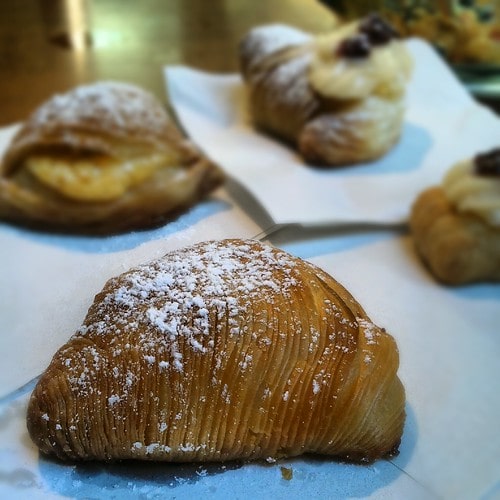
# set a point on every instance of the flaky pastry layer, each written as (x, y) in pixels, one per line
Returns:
(337, 110)
(225, 350)
(458, 247)
(101, 158)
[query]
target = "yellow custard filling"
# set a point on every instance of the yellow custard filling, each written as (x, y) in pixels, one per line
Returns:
(95, 178)
(384, 72)
(473, 193)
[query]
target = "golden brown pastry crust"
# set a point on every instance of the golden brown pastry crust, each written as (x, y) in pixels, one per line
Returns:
(112, 121)
(224, 350)
(458, 248)
(327, 130)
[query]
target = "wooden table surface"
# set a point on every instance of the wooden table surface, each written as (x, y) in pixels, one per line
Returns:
(49, 46)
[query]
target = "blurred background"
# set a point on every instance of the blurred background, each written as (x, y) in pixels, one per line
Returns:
(48, 46)
(465, 32)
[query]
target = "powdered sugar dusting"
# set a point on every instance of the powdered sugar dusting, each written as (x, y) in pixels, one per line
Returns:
(290, 78)
(370, 331)
(232, 328)
(113, 105)
(182, 295)
(264, 40)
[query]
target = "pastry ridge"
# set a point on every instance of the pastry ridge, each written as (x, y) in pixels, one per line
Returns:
(224, 350)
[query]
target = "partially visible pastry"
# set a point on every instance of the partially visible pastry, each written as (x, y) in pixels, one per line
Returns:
(224, 350)
(338, 97)
(102, 158)
(456, 226)
(464, 31)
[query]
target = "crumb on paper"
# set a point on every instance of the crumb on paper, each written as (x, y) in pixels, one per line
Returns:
(286, 473)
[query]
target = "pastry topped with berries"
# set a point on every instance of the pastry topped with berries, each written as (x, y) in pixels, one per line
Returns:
(456, 226)
(339, 97)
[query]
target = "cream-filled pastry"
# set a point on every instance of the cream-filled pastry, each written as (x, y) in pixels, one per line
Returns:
(456, 226)
(101, 158)
(224, 350)
(339, 97)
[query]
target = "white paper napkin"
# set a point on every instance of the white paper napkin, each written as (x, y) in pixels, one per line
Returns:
(48, 281)
(24, 474)
(449, 351)
(443, 125)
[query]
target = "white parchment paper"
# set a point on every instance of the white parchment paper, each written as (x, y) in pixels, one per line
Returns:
(449, 346)
(443, 125)
(449, 350)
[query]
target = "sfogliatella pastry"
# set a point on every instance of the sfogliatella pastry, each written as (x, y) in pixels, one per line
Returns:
(338, 97)
(456, 226)
(224, 350)
(101, 158)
